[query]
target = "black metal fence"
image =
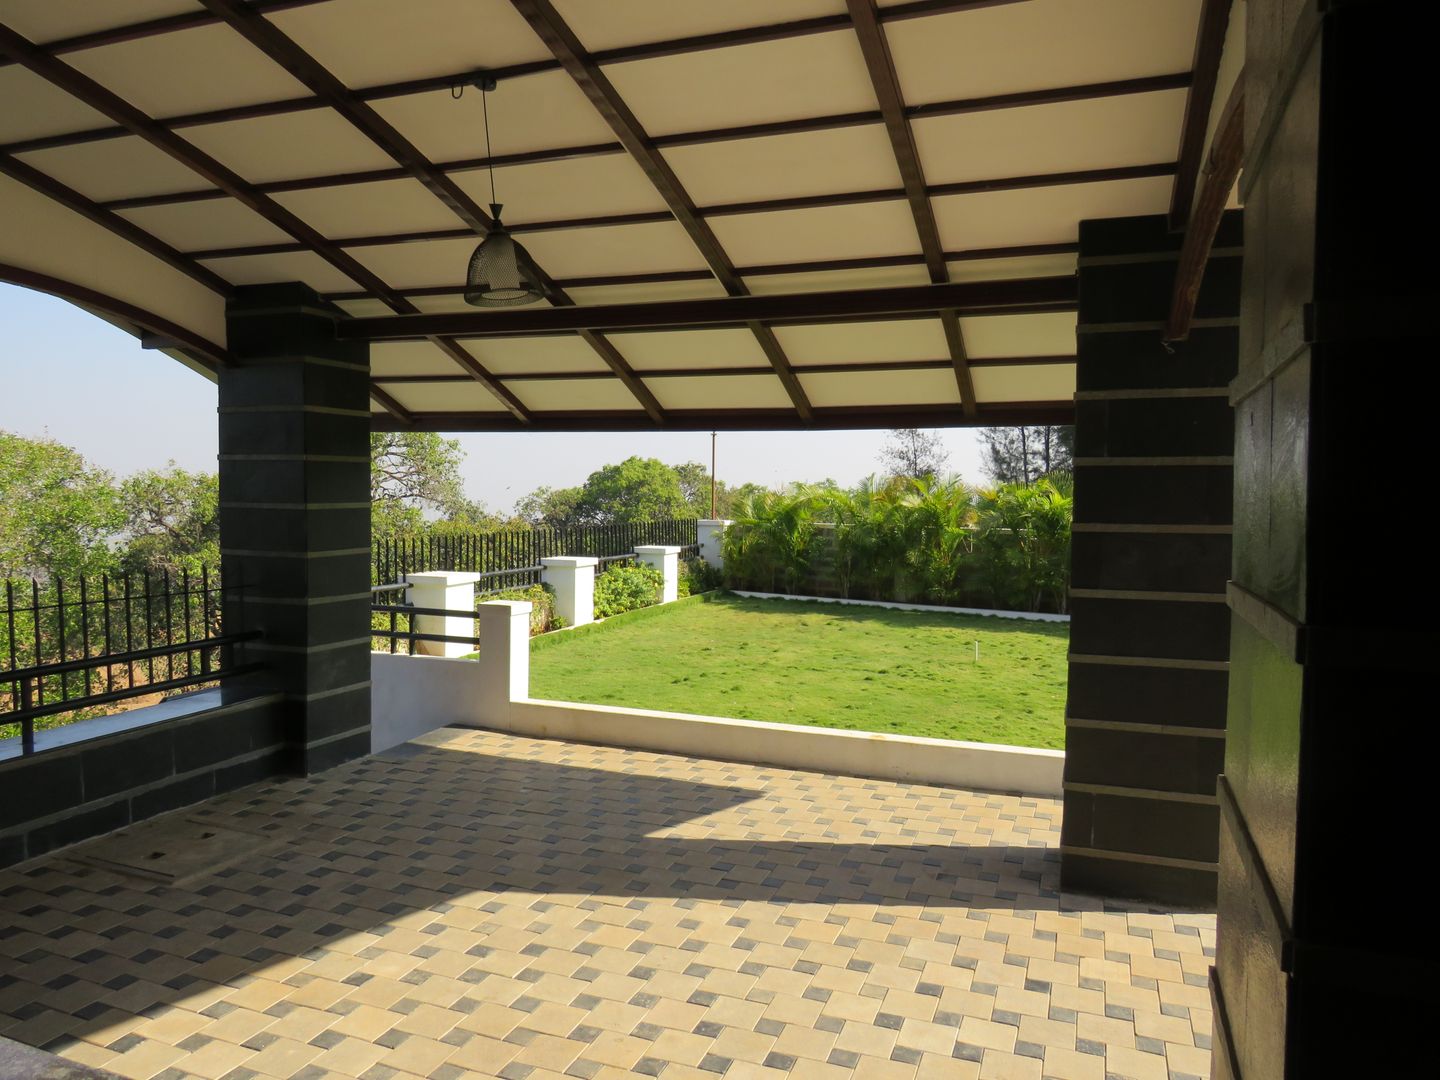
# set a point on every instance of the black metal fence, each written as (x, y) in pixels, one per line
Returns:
(518, 552)
(75, 647)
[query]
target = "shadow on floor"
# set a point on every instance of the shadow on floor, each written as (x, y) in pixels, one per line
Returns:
(414, 829)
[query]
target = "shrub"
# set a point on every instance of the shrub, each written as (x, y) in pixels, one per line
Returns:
(542, 615)
(625, 588)
(698, 576)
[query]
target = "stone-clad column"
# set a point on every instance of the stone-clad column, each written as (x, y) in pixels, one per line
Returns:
(295, 514)
(1149, 633)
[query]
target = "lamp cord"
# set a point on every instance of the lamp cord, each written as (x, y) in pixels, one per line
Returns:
(489, 157)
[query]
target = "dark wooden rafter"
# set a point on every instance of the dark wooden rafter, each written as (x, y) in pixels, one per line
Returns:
(881, 66)
(814, 266)
(1055, 95)
(85, 89)
(165, 24)
(835, 418)
(266, 37)
(148, 324)
(107, 219)
(756, 206)
(566, 48)
(1222, 169)
(1009, 296)
(866, 367)
(675, 47)
(393, 407)
(1209, 46)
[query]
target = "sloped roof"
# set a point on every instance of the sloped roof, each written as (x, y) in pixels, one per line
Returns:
(646, 151)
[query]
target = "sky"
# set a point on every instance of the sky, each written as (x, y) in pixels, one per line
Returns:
(72, 377)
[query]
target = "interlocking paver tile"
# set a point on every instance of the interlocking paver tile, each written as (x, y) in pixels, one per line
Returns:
(502, 906)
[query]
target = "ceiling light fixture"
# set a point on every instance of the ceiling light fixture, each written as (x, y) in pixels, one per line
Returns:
(498, 276)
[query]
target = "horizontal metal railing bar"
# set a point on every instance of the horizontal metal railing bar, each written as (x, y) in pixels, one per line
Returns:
(405, 635)
(141, 690)
(130, 656)
(453, 613)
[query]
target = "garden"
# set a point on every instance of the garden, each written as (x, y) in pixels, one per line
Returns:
(934, 674)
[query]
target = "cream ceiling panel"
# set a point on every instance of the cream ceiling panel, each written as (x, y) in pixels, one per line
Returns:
(383, 206)
(363, 309)
(445, 397)
(188, 71)
(43, 236)
(535, 355)
(813, 75)
(410, 358)
(645, 293)
(115, 169)
(214, 223)
(864, 342)
(303, 266)
(424, 262)
(315, 142)
(373, 42)
(722, 347)
(48, 110)
(825, 232)
(554, 190)
(616, 23)
(1040, 334)
(566, 394)
(535, 112)
(785, 166)
(881, 388)
(376, 409)
(44, 21)
(1042, 215)
(1026, 266)
(1042, 43)
(1024, 382)
(618, 249)
(763, 391)
(1138, 129)
(880, 277)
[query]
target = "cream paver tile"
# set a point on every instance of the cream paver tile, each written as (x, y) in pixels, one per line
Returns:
(1135, 1064)
(454, 969)
(145, 1060)
(283, 1058)
(998, 1065)
(1065, 1064)
(945, 1067)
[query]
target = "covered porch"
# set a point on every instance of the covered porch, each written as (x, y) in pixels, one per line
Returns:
(935, 212)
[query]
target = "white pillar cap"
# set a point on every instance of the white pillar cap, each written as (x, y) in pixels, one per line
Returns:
(446, 578)
(658, 549)
(572, 562)
(517, 607)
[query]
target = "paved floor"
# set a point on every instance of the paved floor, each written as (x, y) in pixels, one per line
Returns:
(496, 906)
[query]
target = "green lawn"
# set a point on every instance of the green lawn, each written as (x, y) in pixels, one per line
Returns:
(866, 669)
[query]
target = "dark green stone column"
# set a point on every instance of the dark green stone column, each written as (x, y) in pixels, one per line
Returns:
(1149, 633)
(295, 515)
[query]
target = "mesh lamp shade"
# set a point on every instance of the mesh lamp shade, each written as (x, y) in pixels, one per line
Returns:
(496, 277)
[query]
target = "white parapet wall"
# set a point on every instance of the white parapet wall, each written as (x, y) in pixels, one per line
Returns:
(665, 559)
(999, 613)
(443, 590)
(413, 694)
(572, 577)
(709, 533)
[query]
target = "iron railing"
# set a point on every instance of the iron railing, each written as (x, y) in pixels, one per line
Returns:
(519, 550)
(72, 647)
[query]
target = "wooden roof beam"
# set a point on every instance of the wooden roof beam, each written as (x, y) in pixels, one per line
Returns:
(581, 67)
(1205, 73)
(1009, 296)
(881, 65)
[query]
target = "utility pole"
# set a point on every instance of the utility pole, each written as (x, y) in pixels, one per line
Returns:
(712, 475)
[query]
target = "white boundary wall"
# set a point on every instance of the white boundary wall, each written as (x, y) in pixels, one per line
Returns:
(1038, 616)
(414, 694)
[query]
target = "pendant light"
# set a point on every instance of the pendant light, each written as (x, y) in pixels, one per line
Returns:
(497, 276)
